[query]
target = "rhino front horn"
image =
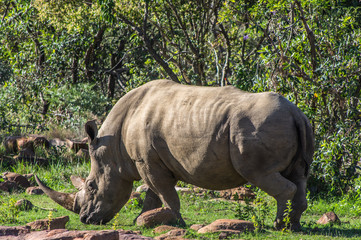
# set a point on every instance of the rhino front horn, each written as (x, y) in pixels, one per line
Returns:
(66, 200)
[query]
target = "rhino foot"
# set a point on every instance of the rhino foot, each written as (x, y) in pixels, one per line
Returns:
(279, 225)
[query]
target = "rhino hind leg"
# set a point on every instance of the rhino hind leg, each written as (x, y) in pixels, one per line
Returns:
(281, 189)
(299, 201)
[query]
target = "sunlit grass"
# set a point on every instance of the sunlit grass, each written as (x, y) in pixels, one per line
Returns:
(195, 208)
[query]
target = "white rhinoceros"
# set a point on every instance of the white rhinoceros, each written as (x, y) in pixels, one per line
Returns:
(212, 137)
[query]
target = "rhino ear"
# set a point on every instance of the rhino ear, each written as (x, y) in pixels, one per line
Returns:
(91, 129)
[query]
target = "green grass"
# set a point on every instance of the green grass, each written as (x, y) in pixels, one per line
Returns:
(195, 209)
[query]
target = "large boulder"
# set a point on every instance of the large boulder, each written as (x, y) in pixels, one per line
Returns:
(13, 231)
(23, 233)
(175, 234)
(44, 224)
(232, 225)
(9, 186)
(157, 216)
(18, 178)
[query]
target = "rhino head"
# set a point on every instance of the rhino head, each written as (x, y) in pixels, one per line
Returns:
(105, 191)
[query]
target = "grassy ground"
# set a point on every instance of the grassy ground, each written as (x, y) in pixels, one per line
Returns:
(196, 209)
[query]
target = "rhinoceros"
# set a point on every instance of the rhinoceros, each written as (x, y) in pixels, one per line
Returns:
(212, 137)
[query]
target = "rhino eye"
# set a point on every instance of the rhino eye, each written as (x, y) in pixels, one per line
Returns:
(91, 186)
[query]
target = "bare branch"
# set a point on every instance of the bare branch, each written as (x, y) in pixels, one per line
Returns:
(310, 36)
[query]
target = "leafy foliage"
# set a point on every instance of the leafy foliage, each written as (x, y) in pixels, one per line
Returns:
(62, 62)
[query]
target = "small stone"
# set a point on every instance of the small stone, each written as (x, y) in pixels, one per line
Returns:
(157, 216)
(196, 227)
(34, 191)
(329, 217)
(239, 193)
(75, 145)
(43, 224)
(24, 205)
(184, 190)
(137, 196)
(57, 142)
(142, 188)
(83, 153)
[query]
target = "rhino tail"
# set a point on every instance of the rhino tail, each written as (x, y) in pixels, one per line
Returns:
(305, 138)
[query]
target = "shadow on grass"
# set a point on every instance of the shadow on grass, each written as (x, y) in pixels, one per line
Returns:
(332, 231)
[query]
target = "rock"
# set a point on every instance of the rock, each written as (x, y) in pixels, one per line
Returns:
(102, 235)
(173, 234)
(137, 196)
(164, 228)
(43, 224)
(196, 227)
(184, 190)
(142, 188)
(329, 217)
(29, 176)
(221, 225)
(157, 216)
(24, 205)
(18, 178)
(11, 144)
(227, 233)
(76, 146)
(83, 153)
(34, 191)
(9, 186)
(239, 193)
(57, 142)
(13, 231)
(10, 233)
(39, 141)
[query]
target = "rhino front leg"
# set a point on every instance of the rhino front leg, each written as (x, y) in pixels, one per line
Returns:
(169, 197)
(151, 201)
(161, 182)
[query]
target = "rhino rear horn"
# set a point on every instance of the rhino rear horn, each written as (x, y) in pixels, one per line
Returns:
(78, 182)
(66, 200)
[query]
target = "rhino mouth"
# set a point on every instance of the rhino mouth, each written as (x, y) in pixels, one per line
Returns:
(94, 217)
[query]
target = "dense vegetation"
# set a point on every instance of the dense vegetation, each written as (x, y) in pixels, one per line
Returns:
(64, 62)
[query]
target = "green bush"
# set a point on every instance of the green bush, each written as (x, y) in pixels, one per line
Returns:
(336, 169)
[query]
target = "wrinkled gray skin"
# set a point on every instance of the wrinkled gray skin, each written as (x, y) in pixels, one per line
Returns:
(212, 137)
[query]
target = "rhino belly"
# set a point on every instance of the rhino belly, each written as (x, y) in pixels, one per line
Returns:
(204, 162)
